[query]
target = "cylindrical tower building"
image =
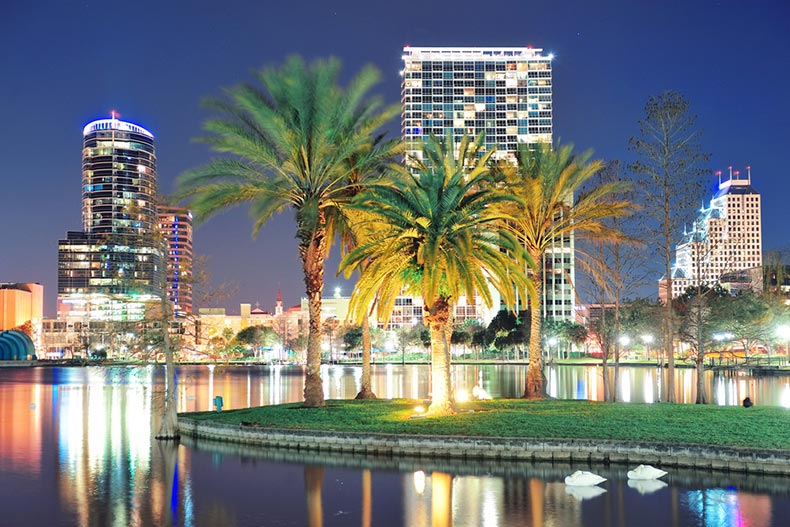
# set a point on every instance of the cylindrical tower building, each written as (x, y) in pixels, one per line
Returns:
(118, 178)
(113, 269)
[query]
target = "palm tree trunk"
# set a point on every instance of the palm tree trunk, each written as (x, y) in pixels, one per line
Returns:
(312, 256)
(438, 318)
(366, 392)
(535, 385)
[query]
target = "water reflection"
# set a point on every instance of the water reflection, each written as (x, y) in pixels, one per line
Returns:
(76, 449)
(447, 492)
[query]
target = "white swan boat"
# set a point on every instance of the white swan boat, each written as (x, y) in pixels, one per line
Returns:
(644, 472)
(582, 478)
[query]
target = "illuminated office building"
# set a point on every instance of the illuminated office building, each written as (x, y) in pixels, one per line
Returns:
(175, 225)
(112, 268)
(504, 92)
(724, 244)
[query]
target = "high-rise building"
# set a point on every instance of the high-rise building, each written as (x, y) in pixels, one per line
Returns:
(119, 194)
(112, 269)
(504, 92)
(724, 244)
(175, 224)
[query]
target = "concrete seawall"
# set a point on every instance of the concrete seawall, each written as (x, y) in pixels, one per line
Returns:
(775, 462)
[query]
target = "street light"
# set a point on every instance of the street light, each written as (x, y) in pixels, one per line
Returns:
(625, 340)
(647, 340)
(783, 332)
(720, 338)
(553, 342)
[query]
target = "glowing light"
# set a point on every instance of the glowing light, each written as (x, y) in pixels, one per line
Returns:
(115, 124)
(419, 409)
(784, 399)
(462, 396)
(419, 482)
(551, 56)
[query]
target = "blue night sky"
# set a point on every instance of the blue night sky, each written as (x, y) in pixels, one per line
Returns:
(64, 63)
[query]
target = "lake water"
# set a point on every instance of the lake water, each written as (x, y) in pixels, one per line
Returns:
(76, 448)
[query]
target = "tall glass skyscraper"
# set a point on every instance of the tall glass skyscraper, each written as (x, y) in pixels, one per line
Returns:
(113, 268)
(504, 92)
(118, 179)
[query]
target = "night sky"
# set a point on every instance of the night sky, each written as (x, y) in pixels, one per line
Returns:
(64, 63)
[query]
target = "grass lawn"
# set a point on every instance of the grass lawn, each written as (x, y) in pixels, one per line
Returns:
(757, 427)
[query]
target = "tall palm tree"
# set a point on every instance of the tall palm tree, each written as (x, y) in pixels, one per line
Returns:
(545, 180)
(440, 234)
(352, 229)
(290, 143)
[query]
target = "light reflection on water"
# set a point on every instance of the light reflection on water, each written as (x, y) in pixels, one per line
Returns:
(76, 449)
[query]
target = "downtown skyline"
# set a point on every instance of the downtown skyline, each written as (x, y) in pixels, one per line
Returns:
(725, 57)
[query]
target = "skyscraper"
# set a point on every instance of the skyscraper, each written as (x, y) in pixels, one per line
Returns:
(111, 269)
(175, 225)
(504, 92)
(724, 244)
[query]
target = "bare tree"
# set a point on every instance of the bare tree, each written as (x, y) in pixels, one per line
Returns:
(669, 171)
(615, 269)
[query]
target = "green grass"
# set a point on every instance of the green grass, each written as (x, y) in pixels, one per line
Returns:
(757, 427)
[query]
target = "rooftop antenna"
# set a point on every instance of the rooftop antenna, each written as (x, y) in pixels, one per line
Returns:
(730, 169)
(718, 173)
(749, 173)
(737, 174)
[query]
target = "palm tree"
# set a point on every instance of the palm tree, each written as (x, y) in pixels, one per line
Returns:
(440, 234)
(290, 144)
(545, 181)
(352, 229)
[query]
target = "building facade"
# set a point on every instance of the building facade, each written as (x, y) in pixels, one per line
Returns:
(175, 225)
(112, 269)
(504, 92)
(724, 244)
(22, 307)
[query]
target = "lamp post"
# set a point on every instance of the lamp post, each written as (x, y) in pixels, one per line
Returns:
(720, 338)
(552, 342)
(647, 340)
(625, 340)
(783, 332)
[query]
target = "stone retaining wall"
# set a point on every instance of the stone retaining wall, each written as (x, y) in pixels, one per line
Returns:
(496, 448)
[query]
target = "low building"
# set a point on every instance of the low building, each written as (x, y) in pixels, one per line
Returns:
(22, 307)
